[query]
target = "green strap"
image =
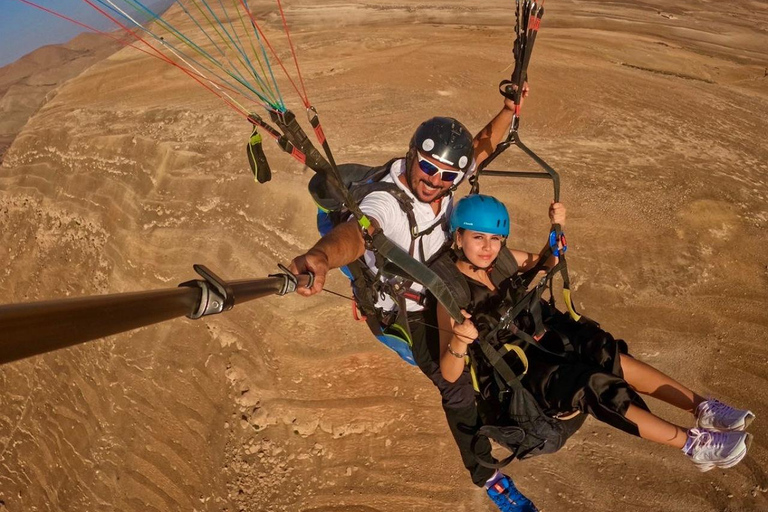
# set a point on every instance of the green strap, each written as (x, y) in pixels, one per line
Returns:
(364, 222)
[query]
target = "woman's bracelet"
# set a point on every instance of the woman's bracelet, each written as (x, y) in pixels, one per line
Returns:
(456, 354)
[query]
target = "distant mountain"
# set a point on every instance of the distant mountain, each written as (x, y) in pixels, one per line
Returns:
(158, 7)
(25, 83)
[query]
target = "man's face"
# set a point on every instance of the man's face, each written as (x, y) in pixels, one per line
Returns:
(427, 188)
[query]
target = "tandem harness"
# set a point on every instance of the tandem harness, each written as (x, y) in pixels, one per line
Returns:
(522, 427)
(369, 286)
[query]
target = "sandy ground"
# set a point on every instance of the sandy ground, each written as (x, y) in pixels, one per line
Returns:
(654, 113)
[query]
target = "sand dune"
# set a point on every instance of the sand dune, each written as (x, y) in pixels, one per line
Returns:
(122, 175)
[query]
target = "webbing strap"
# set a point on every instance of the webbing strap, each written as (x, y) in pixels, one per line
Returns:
(531, 295)
(501, 366)
(418, 271)
(567, 289)
(257, 159)
(295, 134)
(530, 301)
(532, 341)
(402, 318)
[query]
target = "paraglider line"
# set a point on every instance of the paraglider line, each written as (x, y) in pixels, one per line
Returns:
(293, 51)
(280, 62)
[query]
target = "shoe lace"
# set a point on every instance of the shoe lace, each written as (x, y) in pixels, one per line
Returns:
(505, 505)
(719, 408)
(510, 499)
(704, 439)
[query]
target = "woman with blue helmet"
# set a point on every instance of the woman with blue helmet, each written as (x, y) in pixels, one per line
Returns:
(596, 376)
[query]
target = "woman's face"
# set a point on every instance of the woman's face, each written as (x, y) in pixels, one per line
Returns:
(480, 249)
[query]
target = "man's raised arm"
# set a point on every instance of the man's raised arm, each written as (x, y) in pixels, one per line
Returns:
(495, 131)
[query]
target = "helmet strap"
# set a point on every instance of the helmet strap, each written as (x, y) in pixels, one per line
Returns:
(409, 156)
(463, 257)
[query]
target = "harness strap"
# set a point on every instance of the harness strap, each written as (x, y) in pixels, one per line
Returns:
(566, 282)
(363, 290)
(296, 136)
(501, 366)
(416, 270)
(532, 295)
(532, 302)
(402, 316)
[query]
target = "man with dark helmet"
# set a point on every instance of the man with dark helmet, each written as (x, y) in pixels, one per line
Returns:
(440, 146)
(442, 153)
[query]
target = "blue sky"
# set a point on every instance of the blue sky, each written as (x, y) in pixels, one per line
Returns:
(24, 28)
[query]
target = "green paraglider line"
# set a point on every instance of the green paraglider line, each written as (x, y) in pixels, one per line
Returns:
(138, 5)
(165, 58)
(157, 55)
(256, 53)
(264, 87)
(287, 142)
(180, 55)
(247, 63)
(304, 99)
(257, 31)
(239, 45)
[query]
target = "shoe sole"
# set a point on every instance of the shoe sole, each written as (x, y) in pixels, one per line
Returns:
(738, 457)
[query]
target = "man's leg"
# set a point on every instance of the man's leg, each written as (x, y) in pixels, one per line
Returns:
(458, 400)
(464, 423)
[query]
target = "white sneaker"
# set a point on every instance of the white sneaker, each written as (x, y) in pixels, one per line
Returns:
(715, 415)
(708, 449)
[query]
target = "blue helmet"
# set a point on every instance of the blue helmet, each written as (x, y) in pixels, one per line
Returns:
(484, 214)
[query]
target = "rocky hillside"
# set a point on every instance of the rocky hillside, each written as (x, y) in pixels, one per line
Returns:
(127, 173)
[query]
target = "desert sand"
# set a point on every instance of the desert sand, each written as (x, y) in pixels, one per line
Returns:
(126, 173)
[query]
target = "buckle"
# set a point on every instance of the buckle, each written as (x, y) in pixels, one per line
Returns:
(553, 243)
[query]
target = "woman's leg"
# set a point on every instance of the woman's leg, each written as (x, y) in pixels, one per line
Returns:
(707, 449)
(648, 380)
(656, 429)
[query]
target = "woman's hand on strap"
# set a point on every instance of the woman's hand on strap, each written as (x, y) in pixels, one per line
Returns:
(466, 331)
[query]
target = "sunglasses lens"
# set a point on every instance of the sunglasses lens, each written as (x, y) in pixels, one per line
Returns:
(427, 167)
(449, 176)
(431, 169)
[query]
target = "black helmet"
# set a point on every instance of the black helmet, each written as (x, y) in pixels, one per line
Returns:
(446, 140)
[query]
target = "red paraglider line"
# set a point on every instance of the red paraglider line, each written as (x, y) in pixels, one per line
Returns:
(159, 54)
(165, 58)
(274, 53)
(298, 155)
(293, 52)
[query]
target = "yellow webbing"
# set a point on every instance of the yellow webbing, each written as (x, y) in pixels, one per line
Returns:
(472, 374)
(401, 333)
(364, 222)
(520, 354)
(569, 304)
